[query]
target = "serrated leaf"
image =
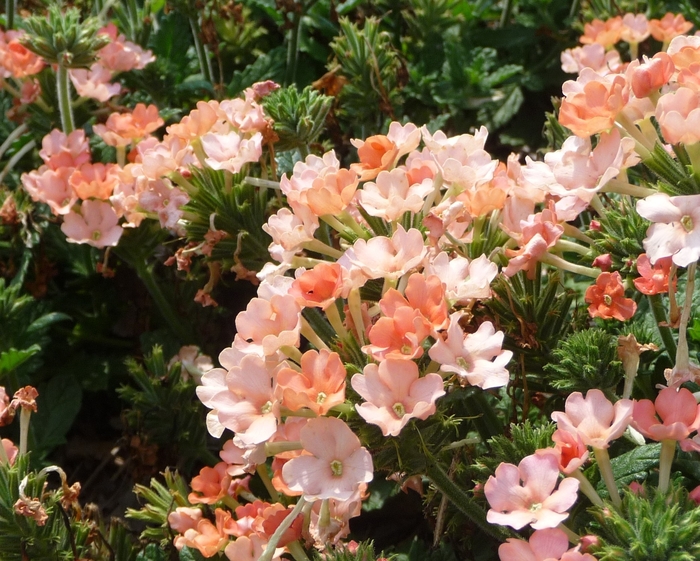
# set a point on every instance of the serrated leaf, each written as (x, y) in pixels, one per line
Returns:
(152, 553)
(635, 464)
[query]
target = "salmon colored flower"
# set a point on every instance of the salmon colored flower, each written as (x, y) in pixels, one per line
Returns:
(267, 325)
(399, 336)
(336, 465)
(184, 518)
(95, 181)
(392, 195)
(593, 56)
(685, 51)
(206, 537)
(678, 114)
(571, 450)
(378, 153)
(51, 187)
(524, 494)
(16, 59)
(94, 82)
(607, 298)
(592, 103)
(394, 394)
(673, 416)
(425, 294)
(538, 234)
(318, 287)
(96, 225)
(635, 28)
(648, 76)
(319, 386)
(654, 278)
(606, 33)
(668, 27)
(120, 55)
(197, 123)
(121, 129)
(248, 548)
(210, 485)
(59, 150)
(594, 418)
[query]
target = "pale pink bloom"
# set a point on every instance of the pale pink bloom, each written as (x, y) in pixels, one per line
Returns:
(678, 114)
(392, 195)
(231, 151)
(319, 386)
(51, 187)
(242, 459)
(684, 50)
(94, 82)
(592, 103)
(406, 137)
(580, 170)
(11, 451)
(332, 192)
(464, 280)
(165, 200)
(120, 55)
(244, 114)
(192, 362)
(163, 158)
(551, 544)
(648, 76)
(379, 153)
(635, 28)
(246, 405)
(289, 232)
(448, 217)
(675, 230)
(594, 418)
(394, 394)
(59, 150)
(337, 464)
(533, 502)
(261, 89)
(668, 27)
(678, 410)
(382, 257)
(538, 234)
(477, 358)
(30, 91)
(249, 548)
(593, 56)
(423, 293)
(267, 325)
(606, 33)
(340, 514)
(213, 382)
(95, 180)
(96, 225)
(184, 518)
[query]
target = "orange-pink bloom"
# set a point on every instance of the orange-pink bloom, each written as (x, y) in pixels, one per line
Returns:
(668, 27)
(318, 287)
(551, 544)
(606, 33)
(607, 298)
(673, 416)
(654, 278)
(96, 225)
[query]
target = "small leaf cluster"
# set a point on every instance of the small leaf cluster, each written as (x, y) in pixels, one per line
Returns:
(655, 527)
(585, 360)
(60, 37)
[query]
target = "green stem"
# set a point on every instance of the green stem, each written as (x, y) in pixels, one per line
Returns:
(606, 472)
(505, 13)
(3, 455)
(64, 99)
(586, 488)
(574, 538)
(668, 451)
(462, 501)
(626, 188)
(293, 49)
(9, 14)
(199, 48)
(14, 135)
(28, 147)
(563, 264)
(659, 311)
(682, 353)
(177, 324)
(567, 246)
(24, 417)
(317, 246)
(261, 470)
(297, 551)
(334, 318)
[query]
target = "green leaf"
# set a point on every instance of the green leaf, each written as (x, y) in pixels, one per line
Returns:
(10, 360)
(635, 464)
(58, 404)
(152, 553)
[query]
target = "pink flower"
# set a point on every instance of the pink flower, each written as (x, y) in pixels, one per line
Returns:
(394, 394)
(162, 198)
(230, 151)
(595, 419)
(635, 28)
(120, 55)
(678, 114)
(676, 227)
(535, 502)
(337, 464)
(477, 358)
(184, 518)
(647, 77)
(571, 450)
(668, 27)
(267, 325)
(678, 410)
(318, 287)
(392, 195)
(96, 225)
(654, 279)
(59, 150)
(464, 280)
(551, 544)
(94, 83)
(607, 298)
(591, 56)
(400, 335)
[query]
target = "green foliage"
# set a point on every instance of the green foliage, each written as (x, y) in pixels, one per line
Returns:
(634, 465)
(60, 37)
(367, 60)
(523, 441)
(363, 552)
(621, 234)
(299, 117)
(656, 527)
(159, 500)
(585, 360)
(239, 209)
(165, 410)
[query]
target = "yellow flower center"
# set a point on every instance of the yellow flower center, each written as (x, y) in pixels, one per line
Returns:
(321, 397)
(608, 300)
(399, 409)
(96, 235)
(265, 409)
(687, 222)
(337, 468)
